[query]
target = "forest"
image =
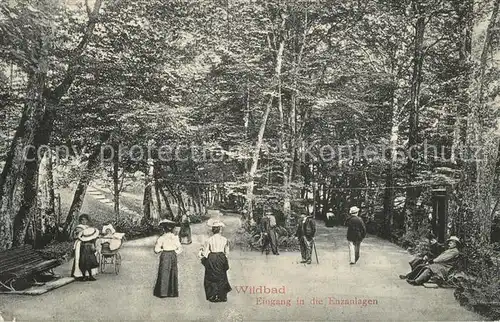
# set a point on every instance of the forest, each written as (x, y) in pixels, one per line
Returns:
(254, 105)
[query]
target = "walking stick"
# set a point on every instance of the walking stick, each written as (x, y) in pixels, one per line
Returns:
(315, 252)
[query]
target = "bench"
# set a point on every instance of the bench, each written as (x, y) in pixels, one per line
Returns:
(23, 263)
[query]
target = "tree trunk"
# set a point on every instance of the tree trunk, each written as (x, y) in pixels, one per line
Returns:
(156, 187)
(79, 196)
(418, 57)
(389, 180)
(260, 140)
(16, 194)
(116, 184)
(146, 199)
(170, 213)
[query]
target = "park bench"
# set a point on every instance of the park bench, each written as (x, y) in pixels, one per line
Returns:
(23, 263)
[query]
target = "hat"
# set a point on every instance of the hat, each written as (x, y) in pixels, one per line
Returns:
(167, 222)
(455, 238)
(110, 227)
(88, 234)
(353, 210)
(216, 223)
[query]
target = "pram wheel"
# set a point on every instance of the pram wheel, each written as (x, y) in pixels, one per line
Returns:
(118, 263)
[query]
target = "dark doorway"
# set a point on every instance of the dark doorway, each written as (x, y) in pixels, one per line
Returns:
(439, 213)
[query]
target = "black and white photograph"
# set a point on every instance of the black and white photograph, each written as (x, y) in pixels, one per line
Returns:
(249, 160)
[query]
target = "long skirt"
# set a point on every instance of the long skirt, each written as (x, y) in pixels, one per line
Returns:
(185, 234)
(216, 283)
(75, 269)
(167, 284)
(88, 260)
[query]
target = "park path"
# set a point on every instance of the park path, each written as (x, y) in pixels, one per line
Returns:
(128, 296)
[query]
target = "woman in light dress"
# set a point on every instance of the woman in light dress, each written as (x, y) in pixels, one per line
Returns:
(169, 246)
(214, 257)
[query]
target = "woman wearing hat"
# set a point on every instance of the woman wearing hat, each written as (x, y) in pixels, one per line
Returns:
(214, 257)
(88, 259)
(438, 267)
(169, 246)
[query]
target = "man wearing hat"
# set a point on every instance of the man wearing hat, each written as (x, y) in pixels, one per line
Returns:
(268, 231)
(305, 233)
(439, 267)
(356, 232)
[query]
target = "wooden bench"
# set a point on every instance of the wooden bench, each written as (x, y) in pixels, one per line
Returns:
(23, 263)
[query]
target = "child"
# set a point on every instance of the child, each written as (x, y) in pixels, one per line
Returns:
(83, 220)
(88, 259)
(111, 236)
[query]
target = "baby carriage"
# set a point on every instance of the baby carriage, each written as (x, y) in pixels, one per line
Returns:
(110, 255)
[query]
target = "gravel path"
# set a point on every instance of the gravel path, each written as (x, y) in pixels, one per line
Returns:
(322, 288)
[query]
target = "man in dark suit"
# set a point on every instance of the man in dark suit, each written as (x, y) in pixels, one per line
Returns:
(269, 236)
(356, 232)
(306, 230)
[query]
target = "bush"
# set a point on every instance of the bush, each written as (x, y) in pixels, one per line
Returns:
(57, 250)
(249, 238)
(479, 291)
(198, 218)
(134, 230)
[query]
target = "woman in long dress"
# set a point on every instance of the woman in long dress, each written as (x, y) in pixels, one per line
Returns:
(169, 246)
(185, 231)
(214, 257)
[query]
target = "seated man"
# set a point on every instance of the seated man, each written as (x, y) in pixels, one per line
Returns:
(438, 267)
(420, 260)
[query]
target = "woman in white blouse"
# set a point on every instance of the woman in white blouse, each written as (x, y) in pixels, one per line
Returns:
(169, 246)
(214, 257)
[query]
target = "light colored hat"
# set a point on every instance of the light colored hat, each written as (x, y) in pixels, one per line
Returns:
(110, 227)
(353, 210)
(217, 223)
(88, 234)
(167, 222)
(455, 238)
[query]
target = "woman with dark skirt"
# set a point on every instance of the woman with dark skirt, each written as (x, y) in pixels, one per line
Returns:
(169, 246)
(214, 257)
(87, 259)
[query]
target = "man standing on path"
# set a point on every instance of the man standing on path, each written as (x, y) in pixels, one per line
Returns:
(356, 232)
(305, 233)
(269, 235)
